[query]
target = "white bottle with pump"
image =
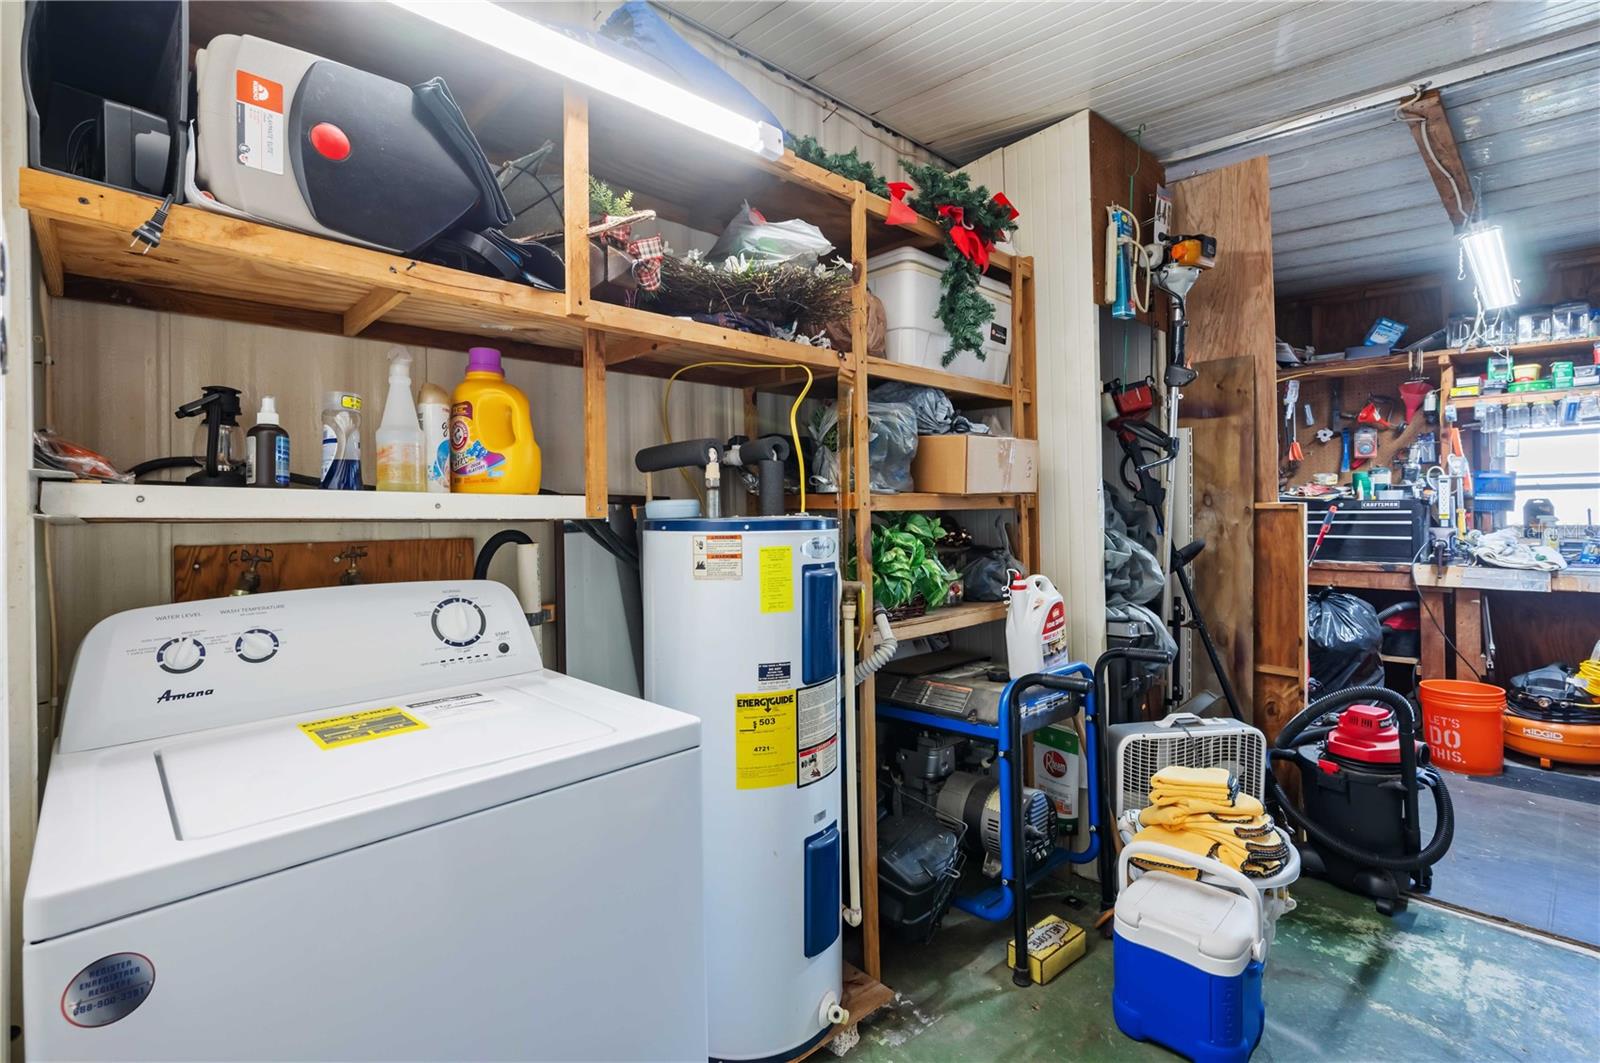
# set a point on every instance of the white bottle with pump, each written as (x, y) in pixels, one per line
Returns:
(400, 464)
(1036, 625)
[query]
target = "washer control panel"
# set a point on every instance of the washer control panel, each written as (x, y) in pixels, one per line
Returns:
(196, 665)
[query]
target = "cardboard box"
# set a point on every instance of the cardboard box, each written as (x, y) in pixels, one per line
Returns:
(1053, 943)
(976, 465)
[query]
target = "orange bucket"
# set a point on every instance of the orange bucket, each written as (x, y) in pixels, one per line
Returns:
(1464, 725)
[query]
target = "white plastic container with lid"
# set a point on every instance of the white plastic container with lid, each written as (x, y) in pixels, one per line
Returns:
(433, 409)
(908, 281)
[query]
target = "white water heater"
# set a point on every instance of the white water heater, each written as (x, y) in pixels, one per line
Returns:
(741, 628)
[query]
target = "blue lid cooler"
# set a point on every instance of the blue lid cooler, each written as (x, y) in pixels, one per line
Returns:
(1188, 958)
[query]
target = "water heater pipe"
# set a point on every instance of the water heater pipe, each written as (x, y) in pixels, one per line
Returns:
(852, 811)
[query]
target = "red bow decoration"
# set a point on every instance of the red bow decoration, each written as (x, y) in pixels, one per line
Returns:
(965, 237)
(1001, 201)
(899, 213)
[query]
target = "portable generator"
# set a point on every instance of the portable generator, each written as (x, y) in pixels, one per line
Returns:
(1361, 769)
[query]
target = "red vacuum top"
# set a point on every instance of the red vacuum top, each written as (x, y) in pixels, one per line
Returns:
(1363, 736)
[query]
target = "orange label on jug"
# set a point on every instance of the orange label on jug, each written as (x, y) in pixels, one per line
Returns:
(258, 91)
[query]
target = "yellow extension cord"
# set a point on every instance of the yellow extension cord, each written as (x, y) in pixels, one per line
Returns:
(794, 410)
(1589, 672)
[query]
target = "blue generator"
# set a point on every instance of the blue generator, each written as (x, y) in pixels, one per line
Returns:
(1189, 957)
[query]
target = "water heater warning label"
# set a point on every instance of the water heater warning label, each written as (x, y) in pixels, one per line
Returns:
(764, 739)
(719, 557)
(777, 579)
(817, 708)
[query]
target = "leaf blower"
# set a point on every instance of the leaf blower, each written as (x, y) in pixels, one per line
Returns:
(1361, 769)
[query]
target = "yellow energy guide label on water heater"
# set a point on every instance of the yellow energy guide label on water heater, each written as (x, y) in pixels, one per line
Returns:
(764, 739)
(338, 731)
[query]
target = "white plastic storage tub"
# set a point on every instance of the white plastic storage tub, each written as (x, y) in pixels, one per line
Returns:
(908, 282)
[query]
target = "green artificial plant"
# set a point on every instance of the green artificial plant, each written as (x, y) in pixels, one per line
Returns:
(905, 565)
(605, 202)
(848, 165)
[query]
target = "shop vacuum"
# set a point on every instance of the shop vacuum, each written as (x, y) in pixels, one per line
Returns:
(1361, 771)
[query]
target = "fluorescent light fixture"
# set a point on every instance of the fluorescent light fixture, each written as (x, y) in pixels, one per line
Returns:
(553, 50)
(1491, 273)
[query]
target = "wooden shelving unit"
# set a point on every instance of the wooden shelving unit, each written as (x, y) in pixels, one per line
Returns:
(213, 265)
(1509, 398)
(1436, 359)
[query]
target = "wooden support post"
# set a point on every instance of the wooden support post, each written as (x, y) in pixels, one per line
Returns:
(370, 308)
(594, 424)
(1427, 120)
(752, 413)
(1024, 412)
(1468, 658)
(575, 196)
(1434, 624)
(44, 234)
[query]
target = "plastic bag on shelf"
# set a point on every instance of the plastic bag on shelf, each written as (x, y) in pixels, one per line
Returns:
(891, 444)
(936, 414)
(755, 238)
(51, 451)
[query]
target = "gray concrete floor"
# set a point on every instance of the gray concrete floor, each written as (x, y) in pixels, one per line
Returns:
(1342, 982)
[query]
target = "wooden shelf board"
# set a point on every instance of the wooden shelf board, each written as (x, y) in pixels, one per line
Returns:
(971, 389)
(1507, 399)
(678, 342)
(74, 501)
(222, 259)
(1356, 367)
(1548, 348)
(950, 618)
(1399, 660)
(924, 233)
(925, 500)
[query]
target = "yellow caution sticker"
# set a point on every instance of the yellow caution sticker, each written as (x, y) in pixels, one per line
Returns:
(764, 739)
(338, 731)
(777, 579)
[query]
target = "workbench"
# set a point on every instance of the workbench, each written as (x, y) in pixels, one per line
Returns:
(1452, 600)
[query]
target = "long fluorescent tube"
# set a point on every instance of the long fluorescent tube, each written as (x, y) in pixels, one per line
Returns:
(1486, 254)
(572, 59)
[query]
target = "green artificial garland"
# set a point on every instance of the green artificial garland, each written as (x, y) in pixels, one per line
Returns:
(963, 311)
(848, 165)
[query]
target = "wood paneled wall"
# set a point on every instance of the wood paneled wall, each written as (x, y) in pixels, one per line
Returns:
(1230, 342)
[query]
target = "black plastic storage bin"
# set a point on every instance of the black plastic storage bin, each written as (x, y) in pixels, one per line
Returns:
(106, 82)
(918, 864)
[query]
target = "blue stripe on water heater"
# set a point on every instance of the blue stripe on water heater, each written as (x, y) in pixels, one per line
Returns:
(824, 895)
(819, 623)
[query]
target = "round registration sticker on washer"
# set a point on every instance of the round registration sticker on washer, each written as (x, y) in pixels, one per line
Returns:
(108, 989)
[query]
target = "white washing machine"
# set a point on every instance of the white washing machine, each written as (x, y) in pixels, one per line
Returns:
(360, 823)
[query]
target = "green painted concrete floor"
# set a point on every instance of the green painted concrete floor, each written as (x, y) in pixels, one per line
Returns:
(1342, 982)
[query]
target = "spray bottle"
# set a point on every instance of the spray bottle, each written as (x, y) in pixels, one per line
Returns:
(400, 465)
(1036, 625)
(267, 448)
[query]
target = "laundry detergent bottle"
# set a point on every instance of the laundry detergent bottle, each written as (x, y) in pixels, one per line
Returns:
(492, 449)
(1036, 625)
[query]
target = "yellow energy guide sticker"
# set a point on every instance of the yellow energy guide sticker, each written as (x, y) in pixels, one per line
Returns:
(338, 731)
(777, 579)
(764, 737)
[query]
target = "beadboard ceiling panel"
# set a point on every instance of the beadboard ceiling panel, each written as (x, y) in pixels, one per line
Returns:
(1351, 197)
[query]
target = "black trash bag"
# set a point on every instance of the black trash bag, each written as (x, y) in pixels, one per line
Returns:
(1345, 639)
(984, 575)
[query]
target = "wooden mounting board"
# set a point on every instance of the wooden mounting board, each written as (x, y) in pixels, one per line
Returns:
(214, 571)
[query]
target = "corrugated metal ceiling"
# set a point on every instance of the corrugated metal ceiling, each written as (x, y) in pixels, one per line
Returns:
(1352, 200)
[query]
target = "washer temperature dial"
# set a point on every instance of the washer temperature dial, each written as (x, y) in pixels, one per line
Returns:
(180, 655)
(458, 622)
(256, 646)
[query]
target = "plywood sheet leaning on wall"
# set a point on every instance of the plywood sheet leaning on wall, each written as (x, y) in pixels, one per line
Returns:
(1231, 406)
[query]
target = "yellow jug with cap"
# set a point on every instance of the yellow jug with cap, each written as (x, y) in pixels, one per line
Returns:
(492, 447)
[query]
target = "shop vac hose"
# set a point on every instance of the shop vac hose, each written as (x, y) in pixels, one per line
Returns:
(1406, 721)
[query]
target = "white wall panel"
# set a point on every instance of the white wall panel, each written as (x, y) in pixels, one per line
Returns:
(1049, 174)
